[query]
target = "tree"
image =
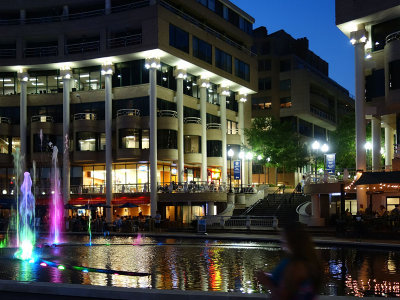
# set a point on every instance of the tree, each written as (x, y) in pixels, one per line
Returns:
(343, 141)
(279, 142)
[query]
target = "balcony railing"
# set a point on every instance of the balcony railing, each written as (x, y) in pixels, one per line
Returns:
(125, 41)
(41, 51)
(393, 36)
(8, 53)
(5, 120)
(192, 120)
(76, 16)
(128, 112)
(42, 119)
(167, 113)
(214, 126)
(320, 113)
(205, 27)
(82, 47)
(85, 116)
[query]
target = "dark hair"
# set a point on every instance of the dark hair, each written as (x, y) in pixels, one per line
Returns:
(302, 249)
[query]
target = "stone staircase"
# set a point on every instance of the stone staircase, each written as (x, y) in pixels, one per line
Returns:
(283, 206)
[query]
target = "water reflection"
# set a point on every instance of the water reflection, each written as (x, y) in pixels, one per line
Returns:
(203, 265)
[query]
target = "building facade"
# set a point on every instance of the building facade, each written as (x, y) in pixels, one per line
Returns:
(134, 94)
(294, 85)
(373, 29)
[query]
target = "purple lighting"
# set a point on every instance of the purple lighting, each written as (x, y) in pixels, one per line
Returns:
(56, 209)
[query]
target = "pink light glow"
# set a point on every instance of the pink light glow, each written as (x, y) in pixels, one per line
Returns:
(56, 207)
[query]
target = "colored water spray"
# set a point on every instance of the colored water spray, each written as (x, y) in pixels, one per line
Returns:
(56, 208)
(90, 227)
(18, 174)
(27, 235)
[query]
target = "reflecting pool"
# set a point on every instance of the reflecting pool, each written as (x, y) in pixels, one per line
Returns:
(195, 264)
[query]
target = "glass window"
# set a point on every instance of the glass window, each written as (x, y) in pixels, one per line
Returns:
(43, 145)
(145, 139)
(178, 38)
(305, 128)
(4, 144)
(319, 133)
(86, 79)
(167, 139)
(129, 138)
(214, 148)
(264, 65)
(261, 103)
(192, 144)
(375, 84)
(225, 12)
(223, 60)
(211, 4)
(86, 141)
(232, 127)
(391, 203)
(202, 50)
(394, 75)
(285, 85)
(15, 144)
(264, 84)
(242, 70)
(8, 83)
(212, 95)
(102, 142)
(285, 65)
(286, 102)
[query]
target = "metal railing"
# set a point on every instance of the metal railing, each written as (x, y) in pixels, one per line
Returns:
(42, 119)
(82, 47)
(6, 53)
(192, 187)
(192, 120)
(205, 27)
(214, 126)
(239, 222)
(85, 116)
(393, 36)
(125, 41)
(5, 120)
(125, 7)
(233, 131)
(167, 113)
(117, 188)
(128, 112)
(41, 51)
(320, 113)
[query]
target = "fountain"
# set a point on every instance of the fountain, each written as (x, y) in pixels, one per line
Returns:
(26, 226)
(56, 207)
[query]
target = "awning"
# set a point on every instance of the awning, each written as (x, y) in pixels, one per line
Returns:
(378, 178)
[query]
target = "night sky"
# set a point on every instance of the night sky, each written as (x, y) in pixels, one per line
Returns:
(314, 19)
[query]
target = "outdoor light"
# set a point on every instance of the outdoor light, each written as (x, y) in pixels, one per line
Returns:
(4, 192)
(368, 56)
(363, 39)
(259, 157)
(249, 156)
(325, 148)
(368, 146)
(382, 151)
(230, 153)
(315, 145)
(353, 41)
(241, 154)
(268, 159)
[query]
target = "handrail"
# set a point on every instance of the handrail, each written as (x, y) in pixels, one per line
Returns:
(167, 113)
(82, 47)
(128, 112)
(192, 120)
(129, 6)
(41, 51)
(250, 208)
(214, 126)
(300, 206)
(42, 119)
(393, 36)
(8, 52)
(85, 116)
(124, 41)
(205, 27)
(5, 120)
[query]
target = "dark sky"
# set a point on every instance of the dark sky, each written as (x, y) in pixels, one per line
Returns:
(314, 19)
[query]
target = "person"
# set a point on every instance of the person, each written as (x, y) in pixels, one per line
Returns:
(303, 183)
(382, 211)
(142, 221)
(395, 211)
(157, 220)
(298, 276)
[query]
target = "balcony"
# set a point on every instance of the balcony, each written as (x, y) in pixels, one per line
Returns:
(80, 48)
(124, 41)
(393, 37)
(192, 126)
(167, 113)
(42, 119)
(322, 114)
(41, 51)
(128, 112)
(214, 126)
(167, 119)
(5, 120)
(85, 116)
(8, 53)
(192, 120)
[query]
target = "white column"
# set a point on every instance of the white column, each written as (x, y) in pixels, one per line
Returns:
(23, 78)
(358, 39)
(376, 143)
(210, 209)
(389, 145)
(242, 99)
(107, 71)
(203, 84)
(223, 92)
(180, 75)
(153, 64)
(66, 77)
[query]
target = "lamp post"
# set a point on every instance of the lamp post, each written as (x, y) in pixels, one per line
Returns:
(249, 157)
(241, 156)
(230, 154)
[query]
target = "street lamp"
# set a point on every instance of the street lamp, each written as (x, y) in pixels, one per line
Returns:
(241, 156)
(249, 157)
(230, 154)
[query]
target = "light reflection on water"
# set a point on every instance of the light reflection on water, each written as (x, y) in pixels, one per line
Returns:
(187, 264)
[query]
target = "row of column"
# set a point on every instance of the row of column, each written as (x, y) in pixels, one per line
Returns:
(152, 64)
